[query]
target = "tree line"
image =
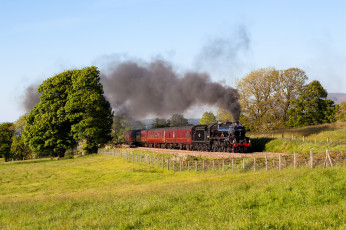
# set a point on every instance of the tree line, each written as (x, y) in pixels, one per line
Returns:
(74, 112)
(273, 99)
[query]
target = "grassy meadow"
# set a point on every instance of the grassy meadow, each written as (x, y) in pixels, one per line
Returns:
(107, 192)
(315, 138)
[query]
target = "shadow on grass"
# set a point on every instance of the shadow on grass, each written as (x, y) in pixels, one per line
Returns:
(258, 144)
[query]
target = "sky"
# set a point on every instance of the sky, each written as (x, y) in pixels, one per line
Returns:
(225, 38)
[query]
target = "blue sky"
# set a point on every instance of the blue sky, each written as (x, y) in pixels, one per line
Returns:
(39, 39)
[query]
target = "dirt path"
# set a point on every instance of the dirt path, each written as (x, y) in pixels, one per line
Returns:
(218, 155)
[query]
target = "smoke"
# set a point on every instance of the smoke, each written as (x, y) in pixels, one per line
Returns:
(31, 97)
(156, 89)
(225, 55)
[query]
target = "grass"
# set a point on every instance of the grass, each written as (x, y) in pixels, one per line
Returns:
(317, 138)
(110, 193)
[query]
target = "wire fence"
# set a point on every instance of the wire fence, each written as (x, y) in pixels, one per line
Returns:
(244, 164)
(294, 137)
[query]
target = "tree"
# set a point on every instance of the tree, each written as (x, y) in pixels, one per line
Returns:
(340, 113)
(291, 85)
(160, 123)
(19, 149)
(88, 111)
(311, 107)
(178, 120)
(207, 118)
(71, 108)
(265, 95)
(258, 93)
(224, 115)
(48, 128)
(6, 133)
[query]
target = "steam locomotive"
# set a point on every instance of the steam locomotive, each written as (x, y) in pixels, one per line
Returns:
(218, 137)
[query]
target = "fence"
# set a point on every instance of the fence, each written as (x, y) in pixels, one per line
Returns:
(296, 137)
(175, 163)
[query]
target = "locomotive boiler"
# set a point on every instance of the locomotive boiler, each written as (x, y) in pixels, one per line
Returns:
(218, 137)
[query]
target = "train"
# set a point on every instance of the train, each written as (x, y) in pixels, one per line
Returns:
(217, 137)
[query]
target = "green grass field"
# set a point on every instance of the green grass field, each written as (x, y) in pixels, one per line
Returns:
(317, 138)
(106, 192)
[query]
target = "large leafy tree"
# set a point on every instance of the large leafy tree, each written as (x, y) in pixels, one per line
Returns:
(266, 95)
(71, 108)
(87, 110)
(258, 96)
(291, 85)
(48, 129)
(207, 118)
(6, 134)
(311, 107)
(178, 120)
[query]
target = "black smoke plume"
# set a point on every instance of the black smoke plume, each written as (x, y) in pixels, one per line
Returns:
(156, 89)
(31, 97)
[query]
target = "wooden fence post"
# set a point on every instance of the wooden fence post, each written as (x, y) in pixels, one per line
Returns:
(330, 160)
(196, 166)
(311, 160)
(279, 161)
(254, 164)
(203, 166)
(294, 161)
(303, 139)
(266, 162)
(213, 165)
(188, 166)
(223, 165)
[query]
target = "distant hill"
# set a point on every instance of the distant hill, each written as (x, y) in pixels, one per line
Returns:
(337, 97)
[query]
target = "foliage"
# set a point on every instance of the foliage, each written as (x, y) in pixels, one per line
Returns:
(6, 134)
(178, 120)
(207, 118)
(340, 113)
(121, 124)
(160, 123)
(224, 116)
(88, 110)
(71, 108)
(311, 107)
(265, 95)
(20, 150)
(103, 192)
